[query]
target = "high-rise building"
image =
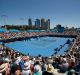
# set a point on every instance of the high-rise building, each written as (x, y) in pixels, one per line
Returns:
(45, 24)
(30, 22)
(37, 23)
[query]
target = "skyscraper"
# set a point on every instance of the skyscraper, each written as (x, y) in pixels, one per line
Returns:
(37, 23)
(43, 23)
(30, 22)
(48, 24)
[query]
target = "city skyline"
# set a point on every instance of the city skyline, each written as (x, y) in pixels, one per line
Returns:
(64, 12)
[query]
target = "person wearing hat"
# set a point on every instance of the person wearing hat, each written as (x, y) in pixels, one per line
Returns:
(5, 67)
(37, 70)
(26, 70)
(50, 70)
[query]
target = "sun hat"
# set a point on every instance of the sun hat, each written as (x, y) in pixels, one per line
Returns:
(3, 66)
(50, 68)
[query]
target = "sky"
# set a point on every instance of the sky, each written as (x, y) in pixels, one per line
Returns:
(64, 12)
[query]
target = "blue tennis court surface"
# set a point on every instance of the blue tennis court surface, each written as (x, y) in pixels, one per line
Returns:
(44, 46)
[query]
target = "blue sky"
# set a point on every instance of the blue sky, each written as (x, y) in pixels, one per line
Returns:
(64, 12)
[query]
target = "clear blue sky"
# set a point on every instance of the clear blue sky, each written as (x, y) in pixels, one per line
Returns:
(64, 12)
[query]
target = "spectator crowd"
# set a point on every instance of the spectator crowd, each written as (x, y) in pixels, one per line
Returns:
(16, 63)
